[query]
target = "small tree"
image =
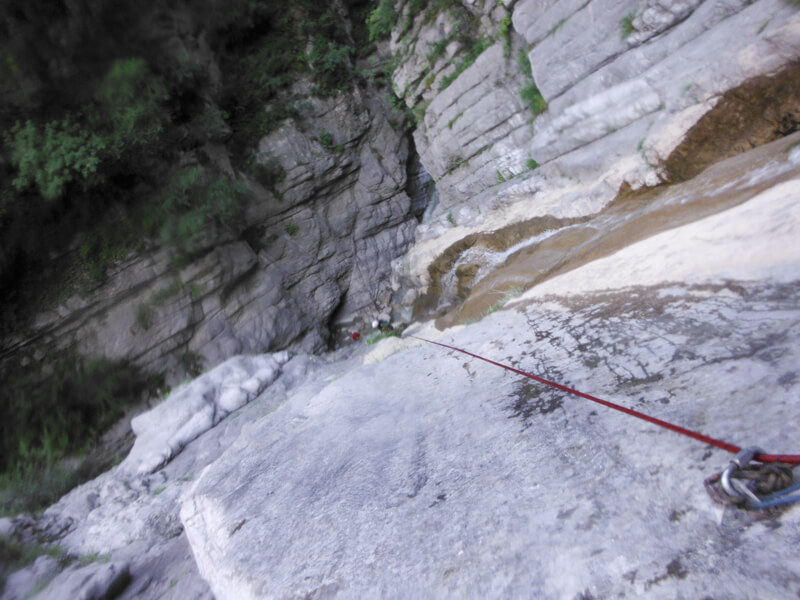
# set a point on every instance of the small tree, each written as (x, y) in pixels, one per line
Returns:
(53, 156)
(130, 100)
(381, 20)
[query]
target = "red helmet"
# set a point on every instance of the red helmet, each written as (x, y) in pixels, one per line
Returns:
(355, 335)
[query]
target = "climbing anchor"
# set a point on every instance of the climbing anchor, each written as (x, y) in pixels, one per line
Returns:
(754, 485)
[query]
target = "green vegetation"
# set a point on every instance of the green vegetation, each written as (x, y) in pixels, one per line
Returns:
(474, 52)
(128, 115)
(53, 156)
(292, 229)
(266, 169)
(45, 419)
(530, 94)
(94, 557)
(108, 111)
(145, 317)
(196, 290)
(192, 202)
(452, 121)
(437, 49)
(326, 139)
(533, 99)
(331, 65)
(508, 295)
(556, 27)
(451, 219)
(15, 556)
(382, 336)
(505, 34)
(381, 20)
(531, 164)
(524, 63)
(500, 177)
(626, 24)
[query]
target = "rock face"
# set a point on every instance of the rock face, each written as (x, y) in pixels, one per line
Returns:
(419, 471)
(475, 126)
(316, 251)
(460, 478)
(409, 470)
(190, 411)
(634, 91)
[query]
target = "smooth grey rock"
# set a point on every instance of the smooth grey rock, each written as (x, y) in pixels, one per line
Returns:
(23, 583)
(434, 474)
(164, 431)
(584, 41)
(89, 582)
(135, 521)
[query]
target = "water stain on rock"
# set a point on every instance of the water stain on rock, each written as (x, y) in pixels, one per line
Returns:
(759, 111)
(675, 570)
(531, 399)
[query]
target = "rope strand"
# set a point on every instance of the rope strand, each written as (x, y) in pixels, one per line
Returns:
(792, 459)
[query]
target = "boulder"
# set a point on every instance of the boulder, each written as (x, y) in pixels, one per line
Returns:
(196, 407)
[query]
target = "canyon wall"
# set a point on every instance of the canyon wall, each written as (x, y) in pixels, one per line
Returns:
(524, 110)
(628, 95)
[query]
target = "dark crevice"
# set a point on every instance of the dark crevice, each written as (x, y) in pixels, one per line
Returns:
(419, 183)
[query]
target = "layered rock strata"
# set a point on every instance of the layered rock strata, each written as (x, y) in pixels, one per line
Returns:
(637, 94)
(315, 250)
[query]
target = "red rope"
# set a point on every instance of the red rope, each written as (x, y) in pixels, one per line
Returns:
(793, 459)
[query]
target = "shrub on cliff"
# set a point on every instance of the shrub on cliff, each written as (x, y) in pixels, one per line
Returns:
(53, 156)
(125, 116)
(381, 20)
(330, 64)
(46, 415)
(191, 202)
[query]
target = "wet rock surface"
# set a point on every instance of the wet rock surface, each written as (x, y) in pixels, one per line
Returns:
(526, 254)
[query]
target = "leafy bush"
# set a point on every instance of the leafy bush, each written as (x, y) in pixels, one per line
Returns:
(192, 201)
(130, 99)
(53, 157)
(330, 63)
(626, 24)
(381, 20)
(533, 98)
(326, 139)
(524, 63)
(128, 115)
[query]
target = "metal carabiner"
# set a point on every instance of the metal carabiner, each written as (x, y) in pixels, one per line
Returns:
(734, 487)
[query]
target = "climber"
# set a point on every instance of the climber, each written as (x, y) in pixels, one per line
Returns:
(356, 336)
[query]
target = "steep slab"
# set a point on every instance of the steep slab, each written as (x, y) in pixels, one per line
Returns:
(433, 474)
